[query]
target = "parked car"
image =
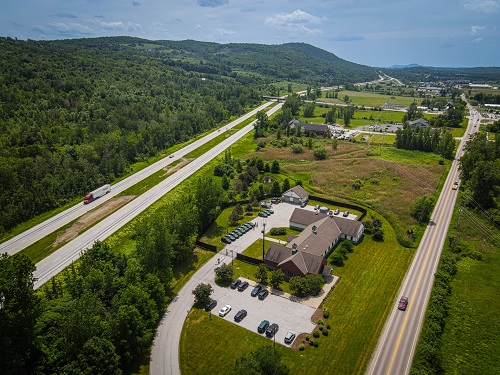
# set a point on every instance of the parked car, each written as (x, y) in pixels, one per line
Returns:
(270, 211)
(210, 305)
(303, 204)
(263, 214)
(244, 229)
(257, 288)
(336, 212)
(231, 237)
(263, 326)
(240, 315)
(250, 223)
(239, 231)
(248, 226)
(171, 155)
(225, 310)
(263, 294)
(290, 336)
(403, 303)
(345, 214)
(225, 239)
(235, 234)
(271, 330)
(243, 286)
(235, 283)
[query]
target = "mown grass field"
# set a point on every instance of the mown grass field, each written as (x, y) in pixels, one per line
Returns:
(359, 306)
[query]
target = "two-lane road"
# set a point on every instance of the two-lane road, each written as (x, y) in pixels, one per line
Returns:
(396, 346)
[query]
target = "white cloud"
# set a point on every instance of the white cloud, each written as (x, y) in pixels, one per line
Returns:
(476, 29)
(486, 6)
(118, 25)
(478, 40)
(61, 28)
(225, 32)
(297, 20)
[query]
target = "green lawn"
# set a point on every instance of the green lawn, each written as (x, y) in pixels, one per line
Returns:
(359, 306)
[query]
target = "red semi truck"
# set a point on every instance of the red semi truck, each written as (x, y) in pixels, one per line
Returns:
(97, 193)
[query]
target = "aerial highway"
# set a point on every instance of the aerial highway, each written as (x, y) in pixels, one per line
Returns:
(34, 234)
(396, 346)
(70, 252)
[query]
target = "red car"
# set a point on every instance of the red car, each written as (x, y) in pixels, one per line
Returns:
(403, 303)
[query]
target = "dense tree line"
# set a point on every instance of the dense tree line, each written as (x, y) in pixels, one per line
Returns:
(74, 115)
(99, 316)
(480, 171)
(439, 141)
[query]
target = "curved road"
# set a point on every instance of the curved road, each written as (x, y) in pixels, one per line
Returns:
(32, 235)
(396, 346)
(70, 252)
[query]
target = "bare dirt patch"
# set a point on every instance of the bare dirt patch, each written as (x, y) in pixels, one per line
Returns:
(178, 166)
(90, 218)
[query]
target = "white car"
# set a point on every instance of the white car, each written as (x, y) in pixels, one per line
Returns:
(225, 310)
(290, 336)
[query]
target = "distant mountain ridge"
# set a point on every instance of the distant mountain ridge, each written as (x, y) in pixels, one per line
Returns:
(296, 62)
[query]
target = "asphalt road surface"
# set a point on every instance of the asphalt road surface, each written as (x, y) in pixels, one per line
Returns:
(70, 252)
(396, 346)
(32, 235)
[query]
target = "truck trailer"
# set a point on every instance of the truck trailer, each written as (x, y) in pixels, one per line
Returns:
(97, 193)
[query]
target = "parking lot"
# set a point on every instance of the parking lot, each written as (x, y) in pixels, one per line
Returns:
(290, 316)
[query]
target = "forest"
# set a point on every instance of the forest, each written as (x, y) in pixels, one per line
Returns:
(75, 117)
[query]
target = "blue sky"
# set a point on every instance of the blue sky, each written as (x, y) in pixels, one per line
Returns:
(449, 33)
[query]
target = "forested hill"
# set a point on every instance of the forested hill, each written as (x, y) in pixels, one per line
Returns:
(248, 63)
(430, 74)
(74, 114)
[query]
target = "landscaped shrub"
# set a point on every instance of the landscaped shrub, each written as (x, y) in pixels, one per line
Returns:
(321, 322)
(301, 347)
(325, 332)
(328, 326)
(316, 344)
(308, 338)
(316, 333)
(278, 231)
(326, 313)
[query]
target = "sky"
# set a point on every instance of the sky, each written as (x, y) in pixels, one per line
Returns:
(379, 33)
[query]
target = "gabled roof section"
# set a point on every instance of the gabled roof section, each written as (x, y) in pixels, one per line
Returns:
(347, 226)
(299, 190)
(318, 240)
(276, 253)
(305, 217)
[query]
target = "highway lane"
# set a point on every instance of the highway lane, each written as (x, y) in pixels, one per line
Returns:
(70, 252)
(396, 347)
(34, 234)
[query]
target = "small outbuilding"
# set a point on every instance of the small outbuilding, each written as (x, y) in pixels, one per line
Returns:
(296, 195)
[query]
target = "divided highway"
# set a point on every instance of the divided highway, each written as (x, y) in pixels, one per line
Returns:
(70, 252)
(34, 234)
(396, 346)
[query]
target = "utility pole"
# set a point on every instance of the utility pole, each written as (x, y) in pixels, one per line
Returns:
(263, 236)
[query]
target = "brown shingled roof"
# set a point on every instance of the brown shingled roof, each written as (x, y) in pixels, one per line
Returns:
(299, 190)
